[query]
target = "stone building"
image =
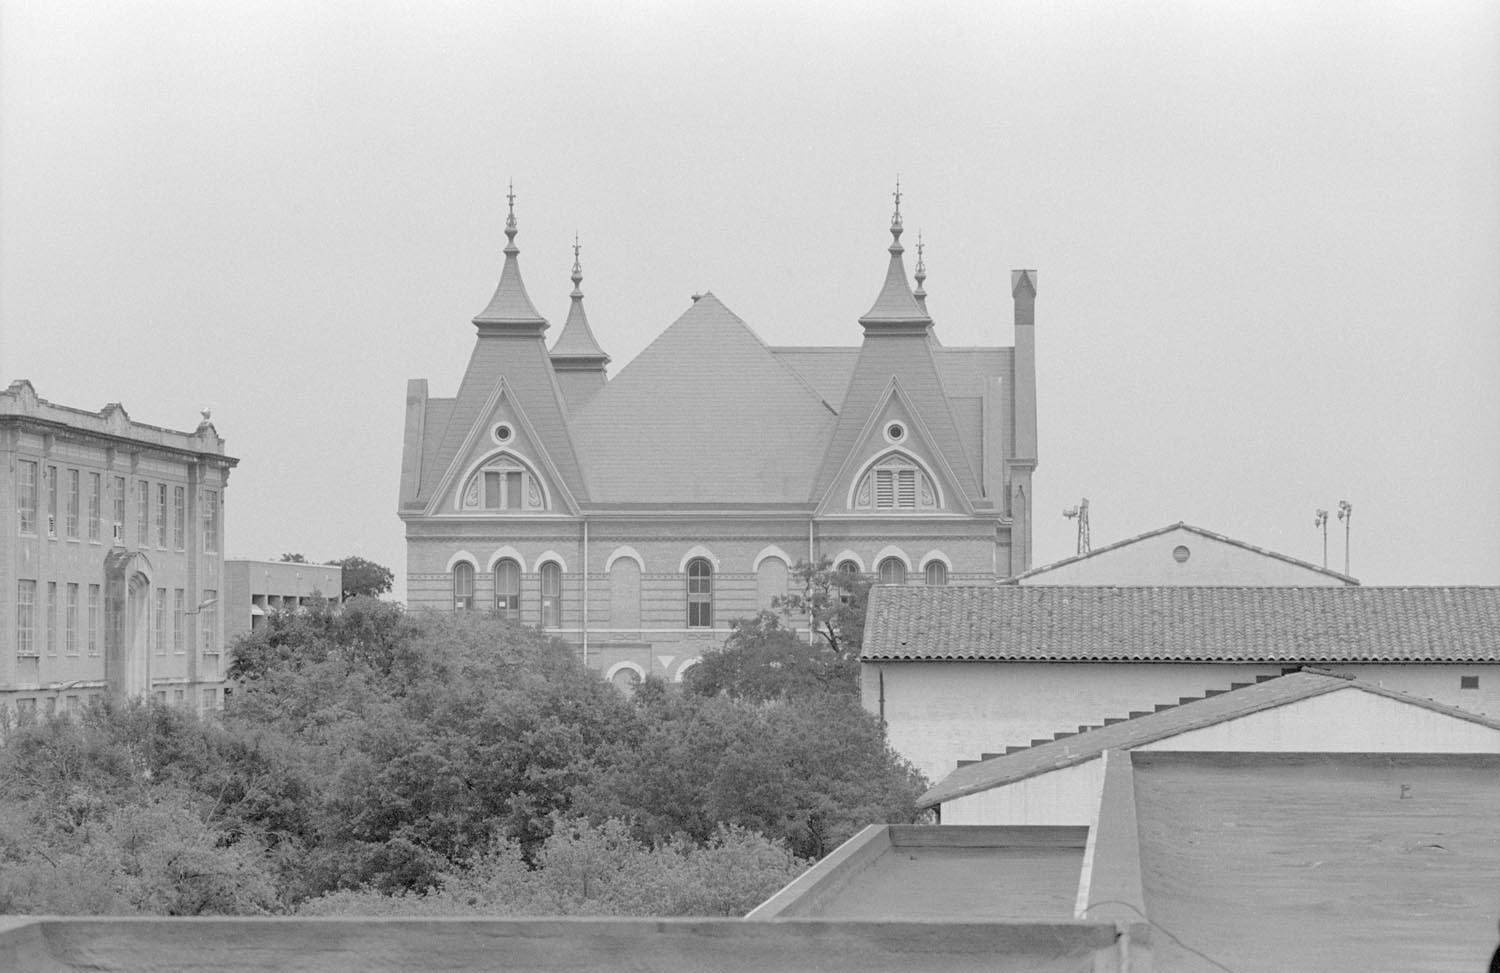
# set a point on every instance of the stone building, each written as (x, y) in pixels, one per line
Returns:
(112, 563)
(637, 516)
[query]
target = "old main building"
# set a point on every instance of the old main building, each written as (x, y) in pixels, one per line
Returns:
(637, 516)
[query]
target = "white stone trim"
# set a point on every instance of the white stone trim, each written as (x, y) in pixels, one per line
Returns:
(931, 556)
(626, 551)
(682, 669)
(698, 550)
(891, 550)
(504, 552)
(546, 556)
(848, 555)
(609, 674)
(770, 551)
(462, 556)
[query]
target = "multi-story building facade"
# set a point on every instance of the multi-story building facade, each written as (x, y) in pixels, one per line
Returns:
(637, 516)
(254, 589)
(112, 565)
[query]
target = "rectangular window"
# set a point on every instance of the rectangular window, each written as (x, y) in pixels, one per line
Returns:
(513, 490)
(208, 699)
(93, 619)
(74, 496)
(1468, 682)
(70, 625)
(492, 490)
(51, 501)
(179, 696)
(94, 499)
(161, 516)
(118, 503)
(142, 513)
(179, 518)
(26, 495)
(51, 609)
(26, 617)
(161, 621)
(179, 606)
(211, 520)
(208, 618)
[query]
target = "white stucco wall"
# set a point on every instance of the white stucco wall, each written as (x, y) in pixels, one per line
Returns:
(938, 713)
(1149, 561)
(1066, 796)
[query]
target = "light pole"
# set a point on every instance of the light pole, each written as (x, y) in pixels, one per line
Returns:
(1320, 520)
(1346, 514)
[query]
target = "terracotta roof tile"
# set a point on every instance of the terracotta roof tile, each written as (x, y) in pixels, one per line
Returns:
(1209, 624)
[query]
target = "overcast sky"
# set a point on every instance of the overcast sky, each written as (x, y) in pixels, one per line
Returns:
(1267, 234)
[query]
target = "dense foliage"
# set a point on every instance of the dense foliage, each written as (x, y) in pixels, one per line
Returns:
(374, 760)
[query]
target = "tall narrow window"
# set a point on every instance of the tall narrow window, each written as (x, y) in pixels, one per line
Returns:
(160, 629)
(26, 617)
(26, 495)
(700, 593)
(51, 501)
(161, 515)
(74, 498)
(179, 518)
(94, 502)
(463, 586)
(892, 571)
(937, 573)
(208, 620)
(179, 617)
(508, 588)
(848, 567)
(551, 595)
(51, 609)
(93, 619)
(70, 622)
(142, 513)
(117, 503)
(210, 520)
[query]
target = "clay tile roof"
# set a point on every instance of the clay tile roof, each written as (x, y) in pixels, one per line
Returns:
(1076, 749)
(1186, 624)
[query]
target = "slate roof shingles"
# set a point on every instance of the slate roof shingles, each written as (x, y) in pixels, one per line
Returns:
(1162, 624)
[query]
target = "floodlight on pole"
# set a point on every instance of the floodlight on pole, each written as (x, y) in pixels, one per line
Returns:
(1346, 514)
(1321, 521)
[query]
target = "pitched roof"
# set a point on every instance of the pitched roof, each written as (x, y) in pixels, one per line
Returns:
(1180, 525)
(1126, 735)
(738, 427)
(1207, 624)
(577, 338)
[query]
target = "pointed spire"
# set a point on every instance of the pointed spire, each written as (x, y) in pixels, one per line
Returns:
(895, 306)
(510, 309)
(921, 292)
(576, 347)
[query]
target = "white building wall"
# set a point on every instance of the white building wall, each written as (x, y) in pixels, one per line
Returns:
(1149, 561)
(938, 713)
(1066, 796)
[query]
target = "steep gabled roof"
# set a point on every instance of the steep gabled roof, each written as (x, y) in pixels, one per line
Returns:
(705, 414)
(1015, 623)
(1129, 734)
(1191, 529)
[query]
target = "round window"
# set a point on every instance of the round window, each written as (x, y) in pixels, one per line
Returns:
(895, 432)
(503, 433)
(1180, 554)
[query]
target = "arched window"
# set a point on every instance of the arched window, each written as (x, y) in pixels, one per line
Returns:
(463, 586)
(895, 482)
(937, 573)
(503, 483)
(892, 571)
(552, 595)
(848, 567)
(700, 593)
(508, 588)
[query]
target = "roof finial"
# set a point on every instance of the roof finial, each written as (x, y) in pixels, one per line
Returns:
(577, 267)
(920, 293)
(510, 219)
(896, 217)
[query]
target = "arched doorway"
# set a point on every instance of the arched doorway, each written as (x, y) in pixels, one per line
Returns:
(127, 636)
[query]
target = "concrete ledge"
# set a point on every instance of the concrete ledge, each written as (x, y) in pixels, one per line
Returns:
(1111, 886)
(47, 944)
(828, 877)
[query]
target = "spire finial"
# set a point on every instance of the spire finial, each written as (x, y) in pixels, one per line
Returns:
(577, 267)
(895, 247)
(921, 267)
(510, 219)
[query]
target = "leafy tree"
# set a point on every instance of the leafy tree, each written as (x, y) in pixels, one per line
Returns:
(362, 577)
(761, 660)
(834, 601)
(294, 558)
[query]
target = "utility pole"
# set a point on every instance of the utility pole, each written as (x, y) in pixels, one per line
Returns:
(1321, 520)
(1346, 514)
(1082, 513)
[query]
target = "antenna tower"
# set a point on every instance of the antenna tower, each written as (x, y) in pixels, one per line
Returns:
(1081, 513)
